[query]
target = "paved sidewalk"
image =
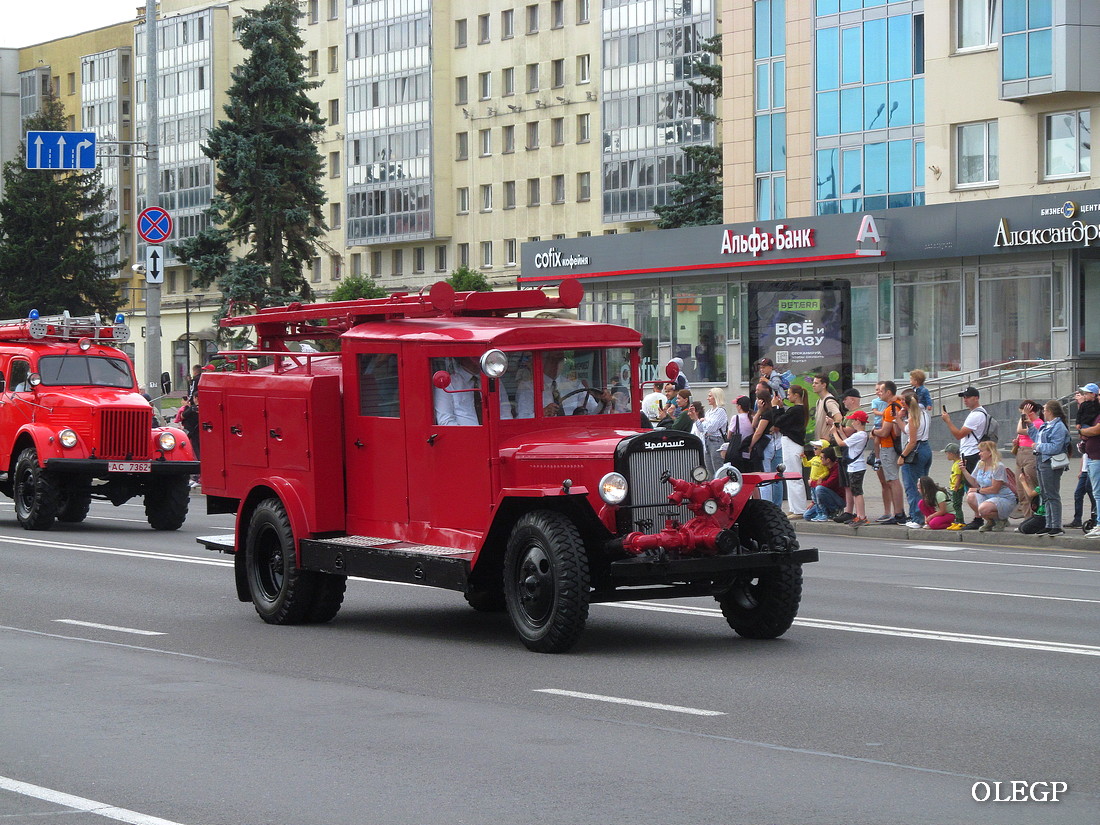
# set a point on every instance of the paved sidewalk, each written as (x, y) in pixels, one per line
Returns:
(1071, 540)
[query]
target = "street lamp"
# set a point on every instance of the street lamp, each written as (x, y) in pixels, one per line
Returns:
(187, 328)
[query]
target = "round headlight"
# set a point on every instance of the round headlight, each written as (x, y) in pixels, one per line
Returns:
(494, 363)
(166, 441)
(67, 438)
(613, 488)
(710, 507)
(734, 483)
(700, 474)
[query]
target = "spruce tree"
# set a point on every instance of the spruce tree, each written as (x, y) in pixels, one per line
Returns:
(58, 247)
(697, 199)
(266, 223)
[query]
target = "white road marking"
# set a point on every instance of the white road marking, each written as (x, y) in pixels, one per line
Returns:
(958, 561)
(116, 518)
(596, 697)
(110, 627)
(111, 551)
(997, 593)
(79, 803)
(962, 548)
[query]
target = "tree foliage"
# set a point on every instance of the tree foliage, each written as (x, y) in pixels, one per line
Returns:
(697, 200)
(58, 244)
(358, 286)
(465, 279)
(266, 223)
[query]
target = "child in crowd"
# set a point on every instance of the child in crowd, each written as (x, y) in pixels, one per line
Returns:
(933, 504)
(827, 494)
(916, 381)
(878, 406)
(813, 456)
(852, 434)
(956, 486)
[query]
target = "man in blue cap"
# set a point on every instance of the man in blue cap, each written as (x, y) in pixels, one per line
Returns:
(1088, 425)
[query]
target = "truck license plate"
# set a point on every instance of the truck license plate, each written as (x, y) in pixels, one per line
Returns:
(129, 467)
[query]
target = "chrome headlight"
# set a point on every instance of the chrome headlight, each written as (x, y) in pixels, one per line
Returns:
(494, 363)
(67, 438)
(166, 441)
(734, 482)
(613, 488)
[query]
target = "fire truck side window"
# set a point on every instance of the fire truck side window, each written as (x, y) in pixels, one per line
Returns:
(518, 385)
(378, 387)
(19, 372)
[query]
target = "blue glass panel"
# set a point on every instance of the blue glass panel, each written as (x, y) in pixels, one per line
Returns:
(918, 100)
(779, 142)
(901, 104)
(1014, 16)
(918, 199)
(763, 199)
(827, 208)
(851, 205)
(780, 197)
(828, 59)
(851, 5)
(874, 169)
(870, 204)
(779, 84)
(899, 201)
(763, 144)
(851, 175)
(900, 45)
(1038, 54)
(1038, 14)
(918, 163)
(1014, 57)
(779, 27)
(826, 174)
(901, 165)
(828, 116)
(828, 6)
(851, 55)
(763, 87)
(869, 3)
(874, 51)
(851, 110)
(762, 28)
(874, 106)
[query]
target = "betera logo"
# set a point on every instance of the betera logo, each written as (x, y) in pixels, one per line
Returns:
(657, 445)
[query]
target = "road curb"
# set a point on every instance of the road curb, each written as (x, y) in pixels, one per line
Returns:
(1072, 540)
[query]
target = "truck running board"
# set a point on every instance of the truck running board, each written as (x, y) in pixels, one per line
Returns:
(388, 560)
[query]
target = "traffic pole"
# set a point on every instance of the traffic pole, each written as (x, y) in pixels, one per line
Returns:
(152, 196)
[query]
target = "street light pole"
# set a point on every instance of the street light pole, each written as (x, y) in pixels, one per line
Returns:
(152, 192)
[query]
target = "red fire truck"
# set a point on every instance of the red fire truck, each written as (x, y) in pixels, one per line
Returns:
(451, 444)
(74, 426)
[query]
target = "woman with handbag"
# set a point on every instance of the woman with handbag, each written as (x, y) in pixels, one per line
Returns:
(1051, 459)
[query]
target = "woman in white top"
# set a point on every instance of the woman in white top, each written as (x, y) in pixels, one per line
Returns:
(915, 459)
(711, 428)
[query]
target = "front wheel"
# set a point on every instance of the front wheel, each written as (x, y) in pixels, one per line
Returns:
(546, 581)
(166, 501)
(35, 492)
(74, 499)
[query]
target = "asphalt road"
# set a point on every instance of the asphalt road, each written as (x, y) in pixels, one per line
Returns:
(134, 687)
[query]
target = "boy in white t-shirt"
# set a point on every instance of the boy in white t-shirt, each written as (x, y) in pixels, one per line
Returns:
(852, 433)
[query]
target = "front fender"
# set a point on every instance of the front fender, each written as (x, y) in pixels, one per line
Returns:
(287, 492)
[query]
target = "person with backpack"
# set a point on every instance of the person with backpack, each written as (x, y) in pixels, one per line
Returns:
(990, 496)
(775, 381)
(1051, 460)
(973, 431)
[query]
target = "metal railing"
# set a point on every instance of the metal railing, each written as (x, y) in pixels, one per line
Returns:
(1011, 380)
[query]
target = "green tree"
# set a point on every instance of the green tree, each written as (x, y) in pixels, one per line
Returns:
(266, 223)
(58, 244)
(465, 279)
(697, 199)
(358, 286)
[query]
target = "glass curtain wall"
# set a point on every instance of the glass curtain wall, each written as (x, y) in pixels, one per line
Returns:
(771, 108)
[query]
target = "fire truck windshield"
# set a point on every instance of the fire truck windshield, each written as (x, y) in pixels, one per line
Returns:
(85, 371)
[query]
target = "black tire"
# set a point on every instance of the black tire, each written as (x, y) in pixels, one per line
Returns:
(763, 604)
(281, 593)
(35, 492)
(485, 600)
(166, 501)
(546, 581)
(74, 500)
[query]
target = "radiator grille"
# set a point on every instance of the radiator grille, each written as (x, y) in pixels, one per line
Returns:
(125, 434)
(649, 494)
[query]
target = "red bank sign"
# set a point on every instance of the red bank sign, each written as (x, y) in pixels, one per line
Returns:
(758, 241)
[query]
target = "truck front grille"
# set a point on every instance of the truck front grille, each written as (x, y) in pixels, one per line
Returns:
(646, 461)
(125, 434)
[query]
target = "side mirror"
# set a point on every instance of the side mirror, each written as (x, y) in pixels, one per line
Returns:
(165, 383)
(441, 379)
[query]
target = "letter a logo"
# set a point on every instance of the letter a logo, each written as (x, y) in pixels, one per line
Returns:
(868, 231)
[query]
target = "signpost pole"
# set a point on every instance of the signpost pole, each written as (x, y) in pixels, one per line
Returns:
(152, 195)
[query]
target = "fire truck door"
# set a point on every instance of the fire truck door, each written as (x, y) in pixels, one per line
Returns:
(377, 476)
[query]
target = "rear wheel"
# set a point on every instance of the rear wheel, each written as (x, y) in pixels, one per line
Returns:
(166, 500)
(35, 492)
(763, 604)
(546, 581)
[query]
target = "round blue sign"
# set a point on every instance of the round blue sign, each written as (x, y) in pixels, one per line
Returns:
(154, 225)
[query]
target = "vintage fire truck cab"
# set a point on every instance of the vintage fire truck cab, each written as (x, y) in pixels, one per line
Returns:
(74, 426)
(453, 444)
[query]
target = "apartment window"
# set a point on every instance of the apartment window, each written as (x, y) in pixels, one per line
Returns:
(462, 146)
(462, 199)
(557, 131)
(463, 254)
(398, 260)
(334, 216)
(333, 9)
(485, 85)
(485, 142)
(583, 14)
(313, 63)
(335, 267)
(510, 247)
(418, 259)
(356, 264)
(557, 183)
(532, 19)
(487, 197)
(509, 194)
(441, 258)
(557, 73)
(532, 77)
(460, 33)
(376, 264)
(584, 128)
(315, 270)
(533, 134)
(314, 11)
(1026, 39)
(557, 14)
(584, 68)
(333, 59)
(462, 90)
(584, 186)
(334, 164)
(1067, 144)
(483, 28)
(71, 80)
(977, 153)
(486, 253)
(508, 80)
(507, 24)
(508, 139)
(974, 23)
(334, 112)
(533, 194)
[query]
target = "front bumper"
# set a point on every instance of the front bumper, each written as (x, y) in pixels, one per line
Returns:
(97, 468)
(644, 570)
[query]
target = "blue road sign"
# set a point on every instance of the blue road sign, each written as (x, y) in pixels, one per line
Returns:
(154, 225)
(61, 150)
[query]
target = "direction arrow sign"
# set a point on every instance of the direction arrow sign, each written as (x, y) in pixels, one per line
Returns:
(154, 265)
(61, 150)
(154, 225)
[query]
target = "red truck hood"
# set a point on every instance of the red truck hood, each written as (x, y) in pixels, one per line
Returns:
(572, 444)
